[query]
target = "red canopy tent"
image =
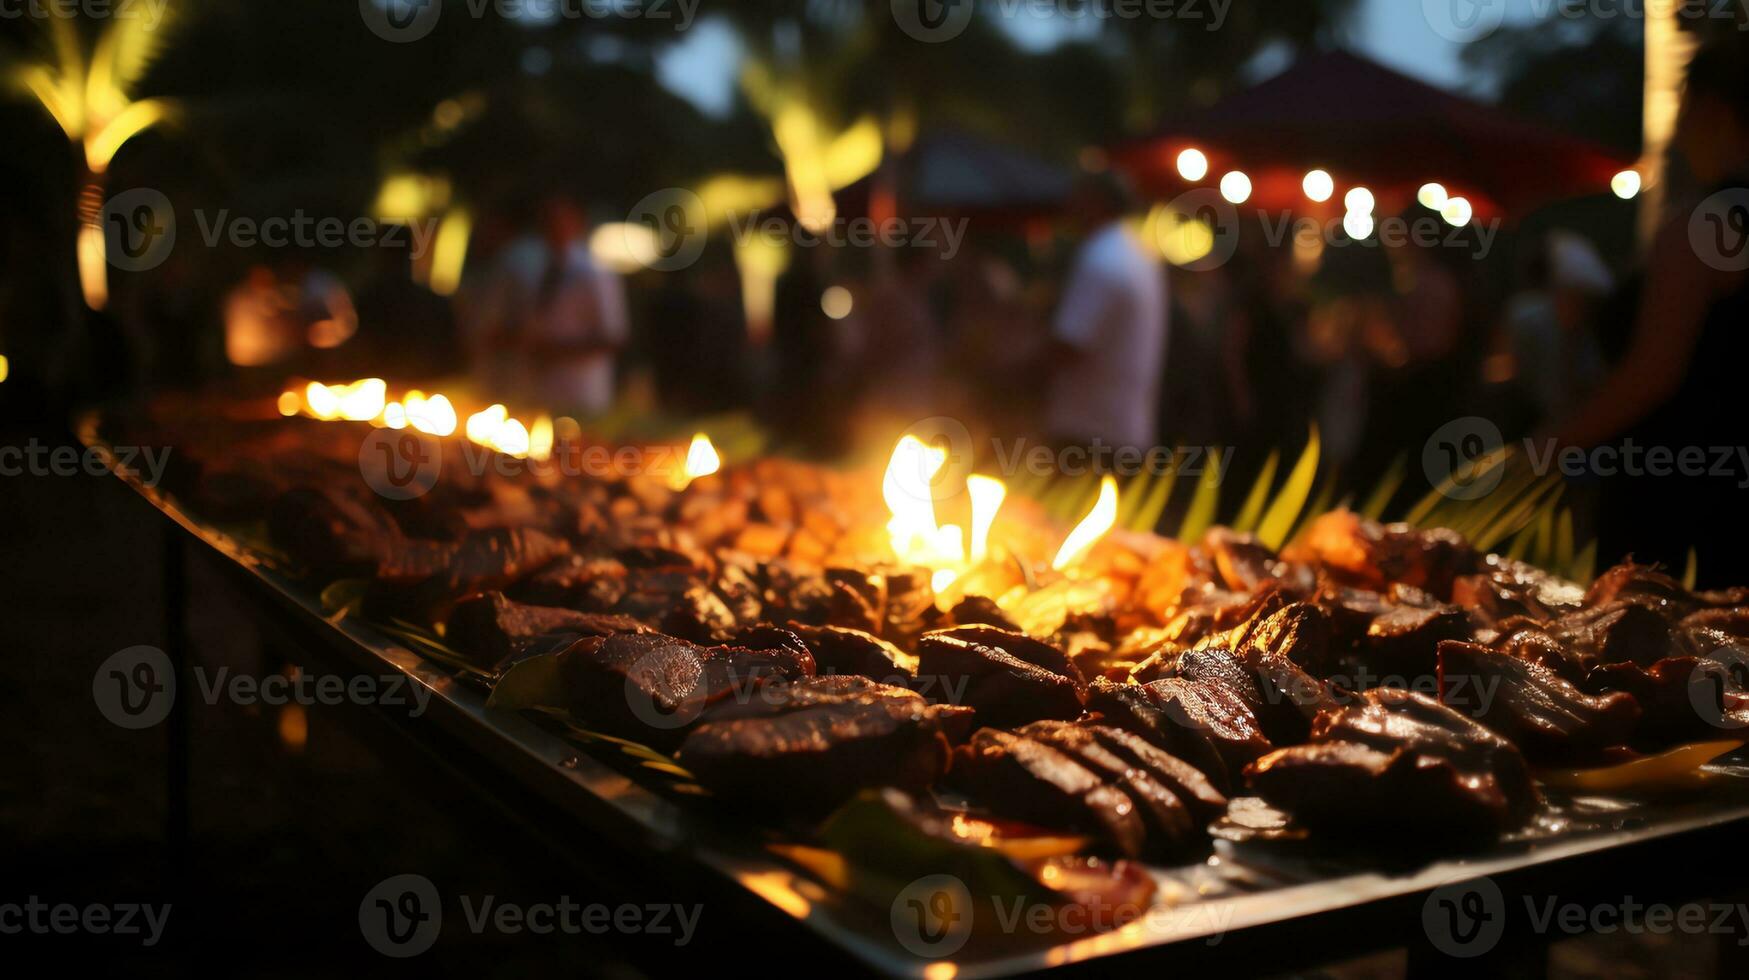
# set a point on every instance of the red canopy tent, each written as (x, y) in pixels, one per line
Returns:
(1368, 125)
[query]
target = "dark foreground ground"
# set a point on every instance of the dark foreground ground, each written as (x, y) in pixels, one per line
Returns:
(295, 816)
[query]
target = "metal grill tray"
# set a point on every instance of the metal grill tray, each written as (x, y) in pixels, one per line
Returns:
(1248, 908)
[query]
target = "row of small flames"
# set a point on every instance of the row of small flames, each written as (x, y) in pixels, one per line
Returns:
(906, 486)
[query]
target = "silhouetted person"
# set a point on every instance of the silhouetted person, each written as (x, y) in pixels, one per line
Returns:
(1679, 384)
(1109, 336)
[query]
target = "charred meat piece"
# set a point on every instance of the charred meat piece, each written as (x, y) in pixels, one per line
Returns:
(1732, 621)
(852, 609)
(698, 614)
(1172, 830)
(1643, 584)
(331, 531)
(1550, 719)
(1201, 722)
(419, 580)
(1024, 779)
(1681, 699)
(591, 584)
(1009, 678)
(1290, 698)
(650, 687)
(491, 630)
(1186, 781)
(1242, 563)
(1620, 631)
(1403, 642)
(806, 746)
(838, 650)
(1372, 555)
(1349, 790)
(983, 611)
(1505, 588)
(1299, 633)
(1212, 665)
(1402, 764)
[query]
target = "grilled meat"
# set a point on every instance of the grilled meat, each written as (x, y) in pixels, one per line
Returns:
(806, 745)
(1023, 778)
(651, 688)
(1550, 719)
(1009, 678)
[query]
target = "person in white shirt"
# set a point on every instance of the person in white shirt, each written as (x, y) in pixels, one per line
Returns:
(1108, 345)
(562, 314)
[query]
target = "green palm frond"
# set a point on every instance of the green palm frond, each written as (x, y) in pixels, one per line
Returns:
(1285, 509)
(1252, 511)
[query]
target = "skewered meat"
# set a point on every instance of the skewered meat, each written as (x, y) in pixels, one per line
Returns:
(1400, 764)
(650, 688)
(1009, 678)
(1023, 778)
(807, 745)
(492, 630)
(1550, 719)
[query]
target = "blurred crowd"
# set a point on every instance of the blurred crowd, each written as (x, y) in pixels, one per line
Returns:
(1067, 327)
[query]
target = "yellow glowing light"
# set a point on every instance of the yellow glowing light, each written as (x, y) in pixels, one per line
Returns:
(1457, 212)
(511, 438)
(1193, 165)
(363, 400)
(322, 401)
(540, 438)
(395, 415)
(987, 495)
(434, 415)
(483, 425)
(289, 403)
(624, 246)
(1092, 527)
(906, 488)
(449, 251)
(93, 276)
(1181, 238)
(836, 302)
(1319, 185)
(1358, 225)
(1360, 201)
(942, 578)
(701, 460)
(1236, 187)
(1433, 196)
(1626, 184)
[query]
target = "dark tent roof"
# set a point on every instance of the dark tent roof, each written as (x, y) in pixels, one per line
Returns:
(1367, 123)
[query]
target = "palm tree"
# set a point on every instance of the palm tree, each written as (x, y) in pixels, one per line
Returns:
(89, 95)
